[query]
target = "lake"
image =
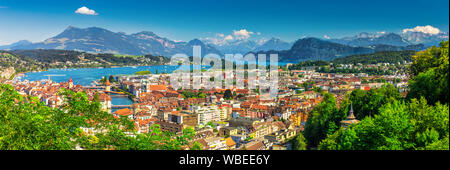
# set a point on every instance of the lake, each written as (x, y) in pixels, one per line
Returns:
(85, 76)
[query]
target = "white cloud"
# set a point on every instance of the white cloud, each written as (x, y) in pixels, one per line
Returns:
(424, 29)
(85, 11)
(229, 37)
(242, 34)
(223, 39)
(326, 37)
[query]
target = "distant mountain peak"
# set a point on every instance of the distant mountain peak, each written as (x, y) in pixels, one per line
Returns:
(363, 35)
(366, 39)
(23, 42)
(100, 40)
(195, 42)
(273, 44)
(18, 43)
(310, 40)
(71, 27)
(273, 39)
(146, 33)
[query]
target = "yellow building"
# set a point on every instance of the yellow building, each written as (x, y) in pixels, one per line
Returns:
(296, 119)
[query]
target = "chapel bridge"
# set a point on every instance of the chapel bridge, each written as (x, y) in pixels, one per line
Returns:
(120, 106)
(102, 89)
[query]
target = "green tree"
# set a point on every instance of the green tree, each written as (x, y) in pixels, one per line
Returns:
(366, 103)
(398, 126)
(228, 95)
(201, 95)
(299, 142)
(323, 120)
(211, 124)
(111, 79)
(28, 124)
(196, 146)
(429, 74)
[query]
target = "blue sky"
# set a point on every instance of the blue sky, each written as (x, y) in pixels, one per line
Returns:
(184, 20)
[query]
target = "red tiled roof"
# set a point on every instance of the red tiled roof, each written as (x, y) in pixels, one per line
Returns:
(124, 112)
(104, 97)
(157, 87)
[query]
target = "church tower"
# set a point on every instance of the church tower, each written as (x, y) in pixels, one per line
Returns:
(108, 85)
(351, 119)
(70, 83)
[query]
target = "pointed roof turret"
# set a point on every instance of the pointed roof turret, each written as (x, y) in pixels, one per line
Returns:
(351, 116)
(70, 80)
(351, 119)
(107, 83)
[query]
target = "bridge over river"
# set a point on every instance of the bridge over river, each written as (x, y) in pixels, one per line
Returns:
(114, 95)
(120, 106)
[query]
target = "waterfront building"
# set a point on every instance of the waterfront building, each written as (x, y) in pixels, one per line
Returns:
(105, 101)
(108, 85)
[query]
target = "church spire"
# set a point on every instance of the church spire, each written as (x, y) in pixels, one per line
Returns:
(351, 119)
(351, 116)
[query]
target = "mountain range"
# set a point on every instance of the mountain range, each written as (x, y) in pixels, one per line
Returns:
(245, 46)
(18, 43)
(99, 40)
(404, 39)
(318, 49)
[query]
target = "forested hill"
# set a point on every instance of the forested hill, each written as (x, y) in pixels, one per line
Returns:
(372, 58)
(40, 59)
(19, 62)
(317, 49)
(377, 57)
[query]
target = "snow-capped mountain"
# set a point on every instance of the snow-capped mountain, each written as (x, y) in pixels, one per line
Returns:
(424, 38)
(245, 46)
(368, 39)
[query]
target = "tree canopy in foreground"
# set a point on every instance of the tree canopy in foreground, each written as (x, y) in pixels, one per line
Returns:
(28, 124)
(389, 122)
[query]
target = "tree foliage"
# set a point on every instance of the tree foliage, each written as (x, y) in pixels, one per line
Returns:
(324, 119)
(366, 103)
(228, 95)
(399, 126)
(27, 124)
(190, 94)
(391, 123)
(377, 57)
(299, 142)
(429, 74)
